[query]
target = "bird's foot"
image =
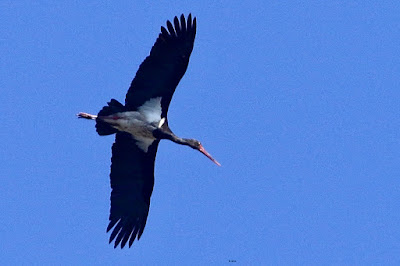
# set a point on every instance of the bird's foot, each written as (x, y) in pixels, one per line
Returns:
(87, 116)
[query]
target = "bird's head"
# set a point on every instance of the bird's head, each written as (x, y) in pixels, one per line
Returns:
(195, 144)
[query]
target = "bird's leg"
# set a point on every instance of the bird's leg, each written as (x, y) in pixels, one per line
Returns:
(87, 116)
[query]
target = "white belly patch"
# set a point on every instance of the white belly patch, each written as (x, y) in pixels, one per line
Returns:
(143, 143)
(142, 122)
(143, 136)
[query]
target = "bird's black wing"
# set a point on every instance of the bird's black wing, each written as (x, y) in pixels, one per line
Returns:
(161, 71)
(132, 180)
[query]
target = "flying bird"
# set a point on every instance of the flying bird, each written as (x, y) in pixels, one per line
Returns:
(139, 126)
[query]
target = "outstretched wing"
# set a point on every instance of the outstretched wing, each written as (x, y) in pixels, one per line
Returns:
(161, 71)
(132, 180)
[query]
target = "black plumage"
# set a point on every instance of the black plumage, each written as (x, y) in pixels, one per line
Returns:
(132, 180)
(161, 71)
(132, 170)
(140, 124)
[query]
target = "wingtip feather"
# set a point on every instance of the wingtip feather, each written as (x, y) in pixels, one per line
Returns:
(189, 21)
(183, 23)
(115, 232)
(177, 26)
(111, 224)
(164, 32)
(171, 28)
(133, 236)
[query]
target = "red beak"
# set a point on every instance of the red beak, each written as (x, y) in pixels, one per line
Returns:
(203, 151)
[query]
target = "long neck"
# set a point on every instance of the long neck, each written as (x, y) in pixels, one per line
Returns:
(178, 140)
(163, 134)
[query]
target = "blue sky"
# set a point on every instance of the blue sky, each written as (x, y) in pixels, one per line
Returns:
(298, 101)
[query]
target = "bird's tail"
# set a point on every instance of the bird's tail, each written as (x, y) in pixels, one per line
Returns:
(112, 107)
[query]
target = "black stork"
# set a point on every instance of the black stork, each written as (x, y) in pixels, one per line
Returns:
(140, 124)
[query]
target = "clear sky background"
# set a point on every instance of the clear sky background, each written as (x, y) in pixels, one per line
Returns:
(298, 101)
